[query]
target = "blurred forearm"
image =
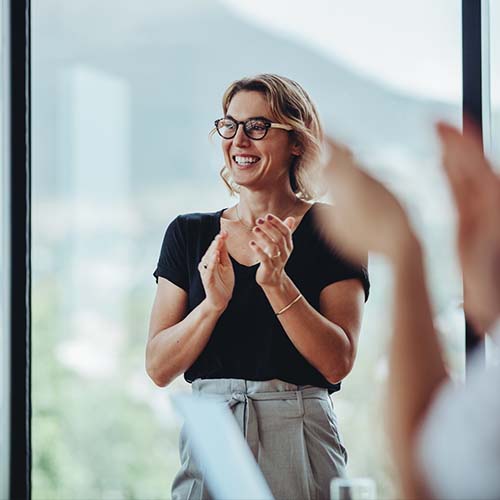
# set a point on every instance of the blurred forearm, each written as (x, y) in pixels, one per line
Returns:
(417, 367)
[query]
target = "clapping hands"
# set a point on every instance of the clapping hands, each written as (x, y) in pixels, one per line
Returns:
(476, 191)
(367, 217)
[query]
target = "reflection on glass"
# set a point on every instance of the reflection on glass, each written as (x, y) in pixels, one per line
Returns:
(494, 8)
(493, 350)
(121, 116)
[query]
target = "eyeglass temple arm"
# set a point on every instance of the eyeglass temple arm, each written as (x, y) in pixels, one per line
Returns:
(279, 125)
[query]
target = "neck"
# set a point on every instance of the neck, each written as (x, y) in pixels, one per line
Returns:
(255, 204)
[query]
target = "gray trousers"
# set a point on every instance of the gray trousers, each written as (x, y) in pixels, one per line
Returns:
(291, 430)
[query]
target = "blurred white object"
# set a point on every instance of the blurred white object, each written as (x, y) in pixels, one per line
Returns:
(459, 444)
(356, 488)
(219, 447)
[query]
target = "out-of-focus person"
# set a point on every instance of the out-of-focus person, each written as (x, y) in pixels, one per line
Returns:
(445, 436)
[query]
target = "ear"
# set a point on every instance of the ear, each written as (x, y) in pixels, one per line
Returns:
(296, 149)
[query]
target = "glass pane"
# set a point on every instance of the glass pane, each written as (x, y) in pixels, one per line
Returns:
(492, 349)
(123, 101)
(495, 79)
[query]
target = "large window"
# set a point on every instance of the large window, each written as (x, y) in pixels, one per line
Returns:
(123, 99)
(494, 69)
(493, 109)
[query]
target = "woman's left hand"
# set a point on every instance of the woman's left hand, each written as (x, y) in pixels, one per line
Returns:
(272, 245)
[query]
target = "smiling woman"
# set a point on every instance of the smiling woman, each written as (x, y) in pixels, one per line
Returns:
(253, 306)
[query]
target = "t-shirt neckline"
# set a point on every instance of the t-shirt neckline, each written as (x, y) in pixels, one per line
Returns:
(254, 266)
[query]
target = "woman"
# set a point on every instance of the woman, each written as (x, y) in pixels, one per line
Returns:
(252, 305)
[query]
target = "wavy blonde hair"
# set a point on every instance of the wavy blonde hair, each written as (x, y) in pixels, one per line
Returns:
(291, 105)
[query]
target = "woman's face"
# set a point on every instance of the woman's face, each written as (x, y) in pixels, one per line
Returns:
(257, 164)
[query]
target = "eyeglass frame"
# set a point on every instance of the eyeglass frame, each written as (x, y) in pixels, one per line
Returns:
(268, 123)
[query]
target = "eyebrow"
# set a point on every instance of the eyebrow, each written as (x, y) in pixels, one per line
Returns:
(251, 118)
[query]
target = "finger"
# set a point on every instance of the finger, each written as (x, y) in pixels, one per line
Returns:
(213, 261)
(280, 225)
(208, 272)
(463, 163)
(270, 246)
(471, 128)
(269, 229)
(466, 150)
(289, 222)
(340, 156)
(261, 254)
(205, 260)
(337, 147)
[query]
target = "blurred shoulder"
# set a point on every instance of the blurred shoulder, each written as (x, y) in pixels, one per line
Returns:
(323, 215)
(321, 208)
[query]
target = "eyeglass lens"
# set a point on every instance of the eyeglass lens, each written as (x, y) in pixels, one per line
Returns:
(255, 129)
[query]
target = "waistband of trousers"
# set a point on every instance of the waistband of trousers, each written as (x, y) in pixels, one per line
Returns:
(274, 389)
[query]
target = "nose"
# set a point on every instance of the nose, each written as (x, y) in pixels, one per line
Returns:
(240, 139)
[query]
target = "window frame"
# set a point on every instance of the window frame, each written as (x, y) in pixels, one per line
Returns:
(16, 185)
(475, 99)
(18, 243)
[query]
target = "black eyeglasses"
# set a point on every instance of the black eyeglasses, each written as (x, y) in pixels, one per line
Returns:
(254, 128)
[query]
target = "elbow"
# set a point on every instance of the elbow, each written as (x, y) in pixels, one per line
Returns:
(336, 373)
(157, 373)
(158, 378)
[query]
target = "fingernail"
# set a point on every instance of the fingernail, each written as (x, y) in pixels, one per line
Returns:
(260, 221)
(252, 243)
(257, 229)
(269, 217)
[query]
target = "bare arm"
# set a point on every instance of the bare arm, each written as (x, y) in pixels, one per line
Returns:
(370, 219)
(327, 339)
(175, 339)
(417, 367)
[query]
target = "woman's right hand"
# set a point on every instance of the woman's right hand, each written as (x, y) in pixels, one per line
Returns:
(217, 274)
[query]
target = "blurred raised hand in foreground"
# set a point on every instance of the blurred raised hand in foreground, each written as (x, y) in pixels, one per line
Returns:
(367, 217)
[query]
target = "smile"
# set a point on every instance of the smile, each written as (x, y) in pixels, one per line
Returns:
(245, 161)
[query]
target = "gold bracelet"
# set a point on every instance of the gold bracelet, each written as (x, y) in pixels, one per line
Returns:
(296, 299)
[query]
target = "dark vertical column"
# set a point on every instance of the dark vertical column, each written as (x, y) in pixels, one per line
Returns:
(20, 229)
(472, 107)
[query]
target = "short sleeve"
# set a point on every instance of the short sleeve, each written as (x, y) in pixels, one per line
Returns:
(172, 263)
(335, 267)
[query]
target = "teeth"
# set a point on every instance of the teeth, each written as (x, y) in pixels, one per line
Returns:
(245, 160)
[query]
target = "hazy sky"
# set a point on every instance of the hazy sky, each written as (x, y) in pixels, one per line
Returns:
(413, 46)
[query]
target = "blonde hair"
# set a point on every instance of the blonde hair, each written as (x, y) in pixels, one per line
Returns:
(291, 105)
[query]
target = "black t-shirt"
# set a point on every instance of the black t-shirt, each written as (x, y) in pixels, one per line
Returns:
(248, 341)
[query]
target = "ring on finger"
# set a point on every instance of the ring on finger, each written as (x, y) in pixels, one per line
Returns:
(275, 256)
